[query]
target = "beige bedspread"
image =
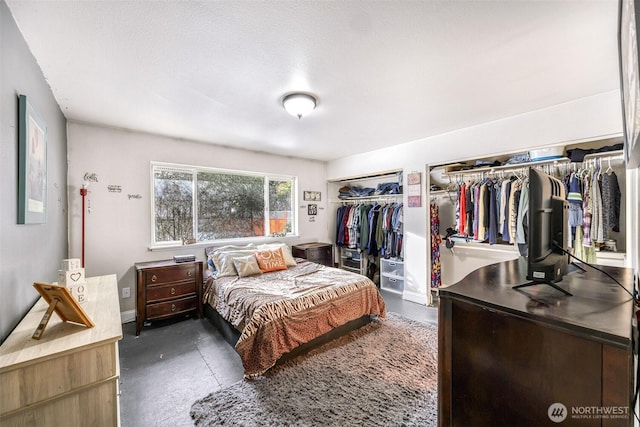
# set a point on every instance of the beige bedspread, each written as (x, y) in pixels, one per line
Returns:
(277, 312)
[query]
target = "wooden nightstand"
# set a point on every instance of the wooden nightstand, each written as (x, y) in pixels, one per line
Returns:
(166, 289)
(321, 253)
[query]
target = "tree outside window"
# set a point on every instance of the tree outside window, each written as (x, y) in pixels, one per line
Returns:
(228, 205)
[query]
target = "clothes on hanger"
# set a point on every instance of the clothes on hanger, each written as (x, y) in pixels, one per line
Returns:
(374, 228)
(436, 240)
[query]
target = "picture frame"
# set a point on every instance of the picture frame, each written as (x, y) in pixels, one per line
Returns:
(311, 196)
(312, 209)
(63, 303)
(32, 164)
(628, 43)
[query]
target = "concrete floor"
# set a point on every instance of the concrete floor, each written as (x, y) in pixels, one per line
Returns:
(171, 364)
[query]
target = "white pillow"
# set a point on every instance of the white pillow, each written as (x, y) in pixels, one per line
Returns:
(223, 258)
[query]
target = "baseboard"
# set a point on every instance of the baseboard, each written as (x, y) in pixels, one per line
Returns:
(128, 316)
(416, 297)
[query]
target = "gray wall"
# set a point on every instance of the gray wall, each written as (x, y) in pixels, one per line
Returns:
(28, 253)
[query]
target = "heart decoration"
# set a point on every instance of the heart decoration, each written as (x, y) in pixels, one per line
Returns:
(75, 276)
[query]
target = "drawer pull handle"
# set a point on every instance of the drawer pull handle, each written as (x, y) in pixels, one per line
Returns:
(189, 273)
(154, 278)
(173, 307)
(173, 291)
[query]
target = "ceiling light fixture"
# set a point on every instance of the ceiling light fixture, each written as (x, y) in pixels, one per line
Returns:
(299, 104)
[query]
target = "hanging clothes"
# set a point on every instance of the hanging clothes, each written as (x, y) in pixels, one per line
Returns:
(611, 199)
(436, 240)
(597, 232)
(462, 208)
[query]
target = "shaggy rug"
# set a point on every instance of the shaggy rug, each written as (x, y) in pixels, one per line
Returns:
(384, 373)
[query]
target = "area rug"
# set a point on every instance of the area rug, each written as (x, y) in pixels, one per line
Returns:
(384, 373)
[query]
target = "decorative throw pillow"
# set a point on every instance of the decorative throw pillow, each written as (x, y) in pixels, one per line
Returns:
(246, 265)
(286, 251)
(224, 261)
(271, 260)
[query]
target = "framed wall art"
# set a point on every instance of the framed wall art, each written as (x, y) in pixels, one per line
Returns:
(312, 196)
(32, 165)
(628, 42)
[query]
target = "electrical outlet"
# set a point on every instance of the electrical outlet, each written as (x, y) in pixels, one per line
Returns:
(126, 292)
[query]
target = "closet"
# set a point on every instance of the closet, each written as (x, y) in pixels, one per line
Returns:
(460, 244)
(367, 226)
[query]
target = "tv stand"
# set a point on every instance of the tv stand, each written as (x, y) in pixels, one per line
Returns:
(553, 285)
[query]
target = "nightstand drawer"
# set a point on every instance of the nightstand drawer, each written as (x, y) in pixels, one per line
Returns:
(170, 308)
(170, 292)
(319, 255)
(175, 273)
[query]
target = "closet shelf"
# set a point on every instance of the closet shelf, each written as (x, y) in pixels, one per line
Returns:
(604, 156)
(389, 174)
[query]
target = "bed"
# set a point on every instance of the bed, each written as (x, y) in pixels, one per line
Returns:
(283, 306)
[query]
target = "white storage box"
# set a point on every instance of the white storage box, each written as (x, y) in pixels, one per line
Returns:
(546, 154)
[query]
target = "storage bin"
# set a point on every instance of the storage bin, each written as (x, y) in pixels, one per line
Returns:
(351, 263)
(546, 154)
(392, 267)
(393, 284)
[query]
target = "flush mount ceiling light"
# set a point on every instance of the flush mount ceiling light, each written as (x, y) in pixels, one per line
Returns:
(299, 104)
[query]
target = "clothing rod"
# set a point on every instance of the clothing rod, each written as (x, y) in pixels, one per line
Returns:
(380, 197)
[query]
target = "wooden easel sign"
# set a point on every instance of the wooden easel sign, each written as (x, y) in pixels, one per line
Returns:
(62, 302)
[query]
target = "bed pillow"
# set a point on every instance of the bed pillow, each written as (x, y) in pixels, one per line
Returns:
(214, 254)
(246, 265)
(224, 261)
(271, 260)
(286, 251)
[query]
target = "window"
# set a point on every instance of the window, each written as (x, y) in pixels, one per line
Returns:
(213, 204)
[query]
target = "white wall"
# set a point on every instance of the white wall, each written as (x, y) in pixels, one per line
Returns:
(118, 227)
(595, 117)
(28, 252)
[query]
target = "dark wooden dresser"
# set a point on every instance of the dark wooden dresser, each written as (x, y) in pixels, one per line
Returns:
(534, 357)
(321, 253)
(166, 289)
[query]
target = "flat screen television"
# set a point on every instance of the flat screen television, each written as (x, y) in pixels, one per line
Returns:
(547, 234)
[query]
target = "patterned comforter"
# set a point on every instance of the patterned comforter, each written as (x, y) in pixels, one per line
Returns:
(278, 311)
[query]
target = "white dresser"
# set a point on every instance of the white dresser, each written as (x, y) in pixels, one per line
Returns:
(70, 376)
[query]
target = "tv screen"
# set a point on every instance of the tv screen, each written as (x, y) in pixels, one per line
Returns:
(547, 233)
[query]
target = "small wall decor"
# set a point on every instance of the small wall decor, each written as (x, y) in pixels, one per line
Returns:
(32, 165)
(312, 209)
(90, 177)
(312, 196)
(114, 188)
(414, 187)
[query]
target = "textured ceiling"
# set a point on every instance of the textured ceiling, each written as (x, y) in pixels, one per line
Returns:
(385, 72)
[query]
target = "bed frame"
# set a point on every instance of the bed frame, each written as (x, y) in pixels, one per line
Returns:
(231, 334)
